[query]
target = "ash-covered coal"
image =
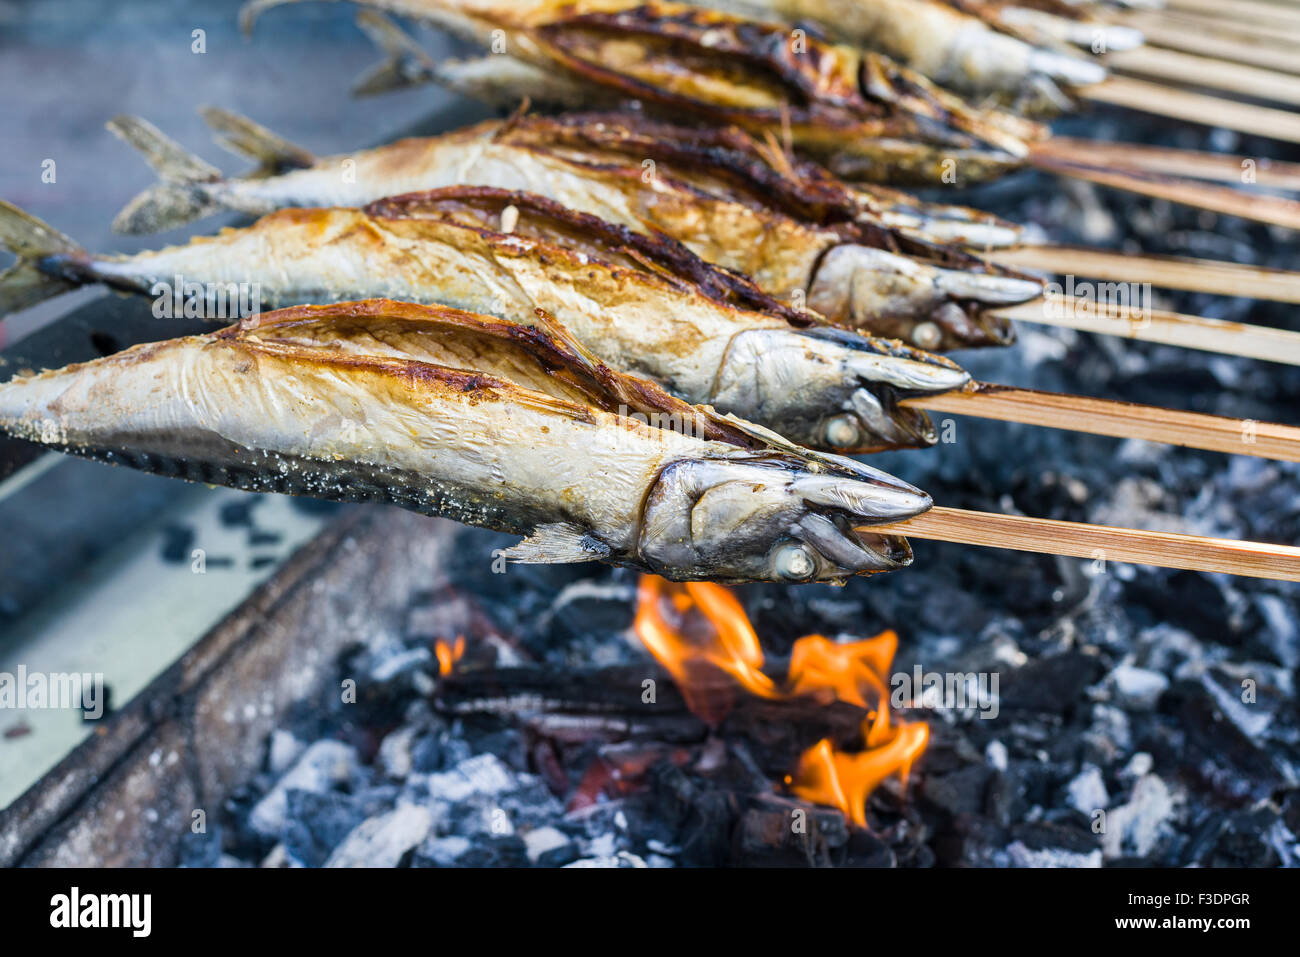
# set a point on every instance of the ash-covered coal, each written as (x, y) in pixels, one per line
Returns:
(1133, 715)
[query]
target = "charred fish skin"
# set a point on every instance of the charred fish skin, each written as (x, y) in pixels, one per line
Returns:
(671, 323)
(711, 198)
(577, 159)
(946, 44)
(834, 101)
(241, 409)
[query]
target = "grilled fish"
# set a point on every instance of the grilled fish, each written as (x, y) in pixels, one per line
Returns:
(798, 232)
(644, 304)
(953, 48)
(866, 116)
(478, 420)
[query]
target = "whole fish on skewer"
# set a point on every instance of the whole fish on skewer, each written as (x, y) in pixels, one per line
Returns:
(482, 421)
(866, 116)
(644, 304)
(1019, 55)
(799, 233)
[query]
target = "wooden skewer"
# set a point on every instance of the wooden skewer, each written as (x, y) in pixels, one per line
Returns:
(1190, 69)
(1223, 27)
(1169, 328)
(1170, 161)
(1124, 420)
(1246, 10)
(1159, 100)
(1275, 210)
(1165, 272)
(1218, 40)
(1102, 542)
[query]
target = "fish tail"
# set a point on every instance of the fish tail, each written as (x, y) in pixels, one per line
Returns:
(41, 249)
(241, 135)
(181, 197)
(405, 65)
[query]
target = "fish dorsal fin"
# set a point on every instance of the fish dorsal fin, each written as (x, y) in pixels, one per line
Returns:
(240, 135)
(558, 543)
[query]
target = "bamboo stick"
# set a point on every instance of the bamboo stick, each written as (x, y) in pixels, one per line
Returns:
(1102, 542)
(1146, 97)
(1280, 23)
(1274, 210)
(1124, 420)
(1219, 40)
(1165, 272)
(1168, 328)
(1246, 10)
(1189, 69)
(1169, 161)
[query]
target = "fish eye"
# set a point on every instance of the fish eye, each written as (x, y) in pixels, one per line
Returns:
(793, 562)
(842, 432)
(927, 335)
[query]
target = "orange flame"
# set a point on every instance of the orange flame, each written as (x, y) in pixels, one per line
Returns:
(448, 655)
(700, 633)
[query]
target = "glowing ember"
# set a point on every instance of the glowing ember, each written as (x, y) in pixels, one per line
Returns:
(448, 655)
(701, 635)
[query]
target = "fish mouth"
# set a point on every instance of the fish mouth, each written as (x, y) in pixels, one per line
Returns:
(853, 550)
(776, 517)
(953, 327)
(838, 508)
(886, 423)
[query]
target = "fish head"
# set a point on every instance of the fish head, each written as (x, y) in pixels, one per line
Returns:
(928, 306)
(774, 518)
(828, 388)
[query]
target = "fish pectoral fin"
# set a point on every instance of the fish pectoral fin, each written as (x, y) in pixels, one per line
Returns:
(558, 543)
(241, 135)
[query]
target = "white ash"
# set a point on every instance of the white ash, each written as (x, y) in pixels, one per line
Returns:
(1087, 792)
(1134, 828)
(621, 859)
(383, 841)
(1136, 689)
(285, 749)
(995, 754)
(1021, 856)
(320, 767)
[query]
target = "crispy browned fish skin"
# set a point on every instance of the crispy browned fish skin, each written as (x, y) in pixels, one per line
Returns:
(865, 115)
(974, 54)
(620, 293)
(722, 161)
(487, 426)
(730, 200)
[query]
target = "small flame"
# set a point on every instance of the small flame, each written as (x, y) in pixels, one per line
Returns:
(829, 776)
(448, 655)
(701, 635)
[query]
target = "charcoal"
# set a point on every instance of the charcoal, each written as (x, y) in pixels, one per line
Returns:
(318, 823)
(549, 847)
(1052, 685)
(384, 840)
(621, 859)
(1021, 855)
(777, 831)
(1087, 792)
(442, 851)
(1136, 689)
(1134, 829)
(323, 765)
(957, 793)
(202, 849)
(1121, 686)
